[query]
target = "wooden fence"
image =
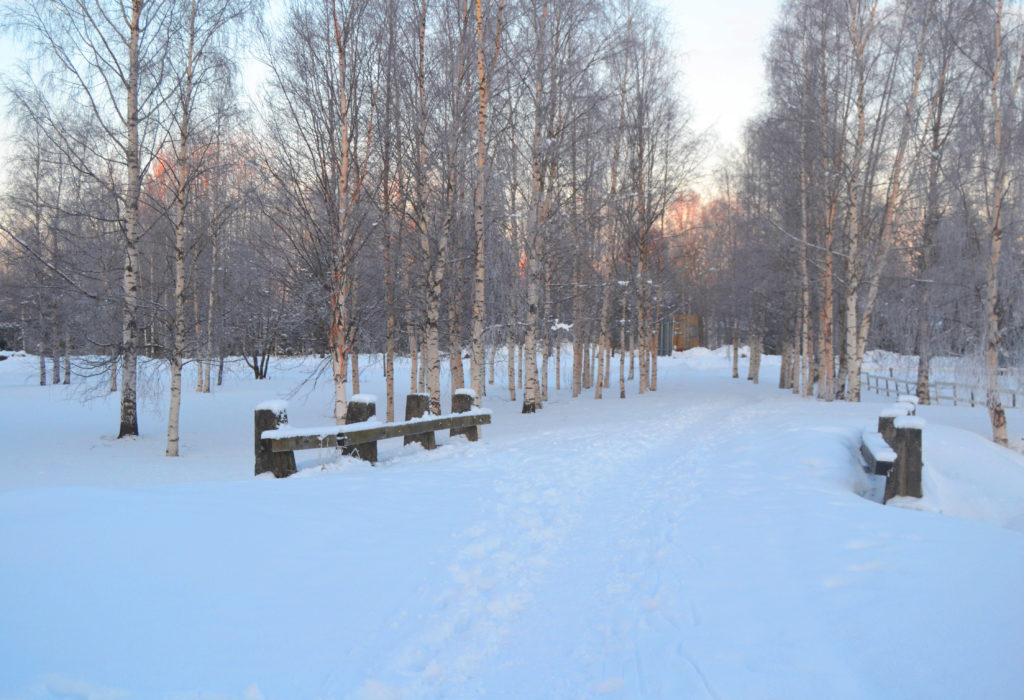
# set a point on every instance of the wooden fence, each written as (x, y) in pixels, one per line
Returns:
(950, 392)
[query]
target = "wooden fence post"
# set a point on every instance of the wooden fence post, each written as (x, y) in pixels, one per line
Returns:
(271, 415)
(906, 477)
(462, 402)
(417, 406)
(361, 407)
(886, 428)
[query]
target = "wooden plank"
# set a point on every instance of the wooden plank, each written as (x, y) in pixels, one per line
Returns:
(303, 442)
(357, 436)
(383, 432)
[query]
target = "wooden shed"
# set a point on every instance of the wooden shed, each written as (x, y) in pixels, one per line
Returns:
(687, 331)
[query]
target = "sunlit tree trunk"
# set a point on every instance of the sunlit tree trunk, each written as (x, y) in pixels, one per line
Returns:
(129, 335)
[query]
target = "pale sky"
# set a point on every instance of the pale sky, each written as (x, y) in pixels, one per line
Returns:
(719, 43)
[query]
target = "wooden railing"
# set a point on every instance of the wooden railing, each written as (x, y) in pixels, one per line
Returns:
(276, 441)
(938, 392)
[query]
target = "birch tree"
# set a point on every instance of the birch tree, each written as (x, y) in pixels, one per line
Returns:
(111, 56)
(201, 68)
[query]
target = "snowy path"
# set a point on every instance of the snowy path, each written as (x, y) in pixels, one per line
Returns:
(571, 526)
(706, 540)
(667, 558)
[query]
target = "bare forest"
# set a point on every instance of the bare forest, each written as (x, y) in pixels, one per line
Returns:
(514, 183)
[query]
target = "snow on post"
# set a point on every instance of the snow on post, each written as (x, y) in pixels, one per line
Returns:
(887, 417)
(271, 415)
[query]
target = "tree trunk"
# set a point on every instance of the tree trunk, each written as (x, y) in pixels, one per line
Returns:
(587, 371)
(826, 368)
(413, 358)
(1000, 189)
(178, 343)
(431, 340)
(511, 368)
(622, 348)
(754, 370)
(42, 353)
(67, 354)
(522, 361)
(181, 170)
(785, 366)
(354, 363)
(654, 364)
(389, 341)
(558, 366)
(210, 310)
(55, 352)
(607, 350)
(339, 353)
(129, 331)
(479, 269)
(577, 354)
(455, 367)
(735, 352)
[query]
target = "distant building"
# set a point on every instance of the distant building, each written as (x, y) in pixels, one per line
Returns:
(687, 331)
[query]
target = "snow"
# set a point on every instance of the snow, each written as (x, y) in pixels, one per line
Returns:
(908, 398)
(878, 446)
(465, 392)
(364, 398)
(912, 422)
(275, 405)
(907, 407)
(895, 411)
(706, 539)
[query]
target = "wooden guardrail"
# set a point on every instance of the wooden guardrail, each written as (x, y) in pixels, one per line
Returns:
(895, 450)
(276, 442)
(955, 392)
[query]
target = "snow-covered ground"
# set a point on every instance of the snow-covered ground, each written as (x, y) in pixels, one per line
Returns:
(704, 540)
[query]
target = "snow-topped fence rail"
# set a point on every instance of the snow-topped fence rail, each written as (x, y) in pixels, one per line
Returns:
(894, 451)
(276, 442)
(951, 392)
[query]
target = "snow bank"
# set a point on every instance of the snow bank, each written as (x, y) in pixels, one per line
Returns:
(703, 540)
(969, 476)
